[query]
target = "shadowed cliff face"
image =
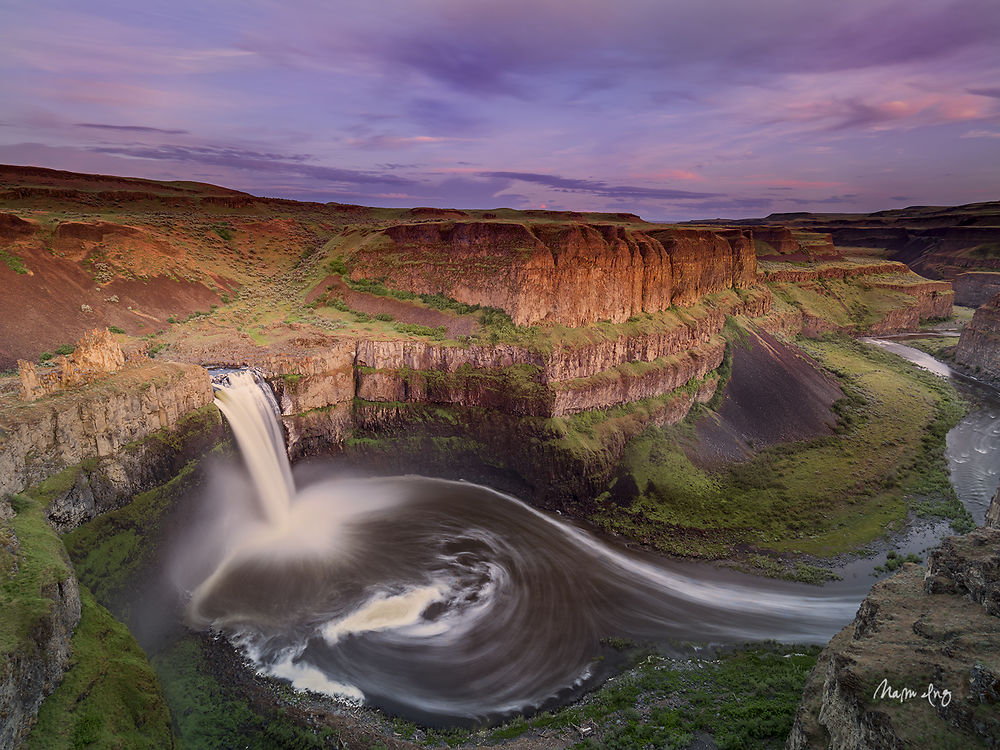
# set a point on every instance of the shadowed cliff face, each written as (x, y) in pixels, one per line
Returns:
(571, 274)
(979, 346)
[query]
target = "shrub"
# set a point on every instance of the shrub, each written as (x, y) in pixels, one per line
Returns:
(116, 329)
(13, 262)
(385, 317)
(67, 349)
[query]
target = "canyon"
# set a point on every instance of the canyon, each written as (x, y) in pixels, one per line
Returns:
(533, 351)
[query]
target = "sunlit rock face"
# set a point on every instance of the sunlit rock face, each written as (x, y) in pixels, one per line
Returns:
(568, 273)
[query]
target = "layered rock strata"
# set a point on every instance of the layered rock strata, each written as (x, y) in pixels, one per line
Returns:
(922, 633)
(979, 345)
(572, 274)
(59, 431)
(975, 288)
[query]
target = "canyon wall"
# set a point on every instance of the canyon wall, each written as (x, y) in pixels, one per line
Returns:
(572, 274)
(914, 630)
(319, 384)
(979, 345)
(108, 426)
(975, 288)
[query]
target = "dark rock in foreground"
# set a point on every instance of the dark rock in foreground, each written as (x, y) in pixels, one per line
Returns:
(920, 664)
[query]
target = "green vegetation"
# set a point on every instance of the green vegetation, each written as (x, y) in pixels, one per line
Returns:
(109, 697)
(14, 263)
(821, 497)
(208, 714)
(292, 378)
(745, 699)
(116, 329)
(224, 231)
(849, 304)
(415, 329)
(108, 551)
(895, 561)
(66, 349)
(986, 250)
(32, 569)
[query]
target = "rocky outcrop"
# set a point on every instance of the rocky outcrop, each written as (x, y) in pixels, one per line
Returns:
(73, 239)
(632, 382)
(571, 274)
(96, 354)
(932, 635)
(42, 438)
(775, 240)
(968, 566)
(975, 288)
(979, 345)
(993, 512)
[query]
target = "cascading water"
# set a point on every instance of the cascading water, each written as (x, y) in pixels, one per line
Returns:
(447, 601)
(251, 410)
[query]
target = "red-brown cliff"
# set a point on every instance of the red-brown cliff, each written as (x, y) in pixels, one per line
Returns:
(573, 274)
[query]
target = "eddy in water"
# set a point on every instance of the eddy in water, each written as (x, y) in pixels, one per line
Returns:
(445, 601)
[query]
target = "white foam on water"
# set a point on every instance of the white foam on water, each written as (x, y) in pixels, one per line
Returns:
(389, 612)
(305, 677)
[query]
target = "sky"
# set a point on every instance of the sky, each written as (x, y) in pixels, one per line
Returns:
(667, 108)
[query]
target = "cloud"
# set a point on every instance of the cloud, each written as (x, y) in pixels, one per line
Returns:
(597, 187)
(981, 134)
(248, 159)
(129, 128)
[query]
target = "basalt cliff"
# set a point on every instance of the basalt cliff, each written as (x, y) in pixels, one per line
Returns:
(920, 664)
(979, 345)
(572, 273)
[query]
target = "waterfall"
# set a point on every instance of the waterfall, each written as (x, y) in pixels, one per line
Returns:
(249, 405)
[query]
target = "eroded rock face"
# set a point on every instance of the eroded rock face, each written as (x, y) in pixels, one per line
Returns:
(927, 633)
(571, 274)
(968, 566)
(96, 354)
(64, 429)
(34, 666)
(975, 288)
(979, 345)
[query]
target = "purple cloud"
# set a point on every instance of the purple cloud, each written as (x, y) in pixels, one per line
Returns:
(129, 128)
